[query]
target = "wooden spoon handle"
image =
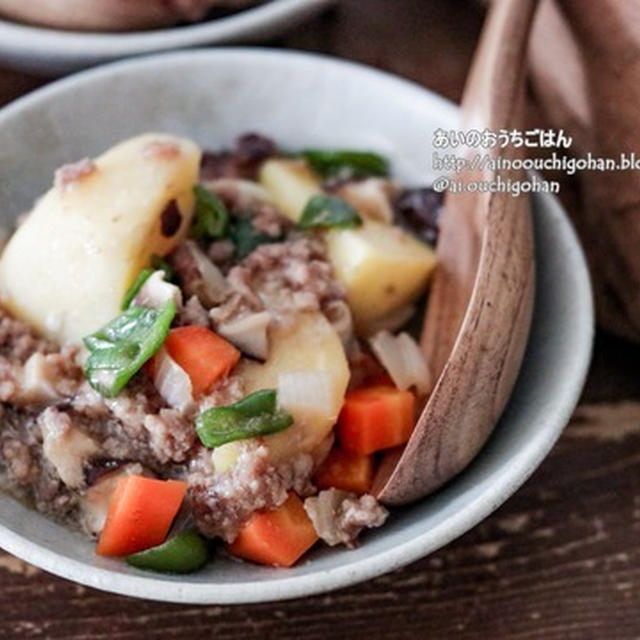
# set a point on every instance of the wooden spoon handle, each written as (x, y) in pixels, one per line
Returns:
(498, 66)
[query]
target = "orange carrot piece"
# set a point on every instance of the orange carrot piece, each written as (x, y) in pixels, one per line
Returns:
(376, 418)
(345, 470)
(277, 538)
(203, 354)
(140, 514)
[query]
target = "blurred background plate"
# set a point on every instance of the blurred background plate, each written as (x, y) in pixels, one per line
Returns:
(56, 52)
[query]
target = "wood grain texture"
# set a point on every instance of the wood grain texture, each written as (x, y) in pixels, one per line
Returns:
(560, 560)
(484, 280)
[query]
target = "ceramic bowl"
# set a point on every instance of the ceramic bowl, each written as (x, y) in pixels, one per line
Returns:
(300, 100)
(55, 52)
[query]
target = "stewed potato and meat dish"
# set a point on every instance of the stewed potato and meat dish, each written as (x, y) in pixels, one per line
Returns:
(210, 346)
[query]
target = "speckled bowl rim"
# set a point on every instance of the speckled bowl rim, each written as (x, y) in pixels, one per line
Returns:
(551, 221)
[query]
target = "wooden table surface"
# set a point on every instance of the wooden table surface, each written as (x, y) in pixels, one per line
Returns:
(560, 560)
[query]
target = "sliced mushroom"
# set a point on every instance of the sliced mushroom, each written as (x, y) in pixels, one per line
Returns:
(198, 275)
(371, 197)
(249, 333)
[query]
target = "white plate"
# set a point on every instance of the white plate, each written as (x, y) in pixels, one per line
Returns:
(56, 52)
(298, 99)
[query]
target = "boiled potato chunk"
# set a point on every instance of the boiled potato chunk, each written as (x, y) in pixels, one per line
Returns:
(311, 345)
(383, 269)
(291, 184)
(66, 269)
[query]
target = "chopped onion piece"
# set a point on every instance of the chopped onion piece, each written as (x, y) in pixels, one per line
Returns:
(172, 381)
(304, 393)
(402, 358)
(214, 287)
(156, 292)
(248, 333)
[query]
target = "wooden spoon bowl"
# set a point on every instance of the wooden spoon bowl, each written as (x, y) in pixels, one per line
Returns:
(480, 306)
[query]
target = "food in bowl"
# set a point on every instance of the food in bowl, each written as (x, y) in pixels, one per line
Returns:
(113, 15)
(201, 346)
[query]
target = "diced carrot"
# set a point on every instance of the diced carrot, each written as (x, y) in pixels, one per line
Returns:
(277, 538)
(140, 514)
(376, 418)
(346, 470)
(203, 354)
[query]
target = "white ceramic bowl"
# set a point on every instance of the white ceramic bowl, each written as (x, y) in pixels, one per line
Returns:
(56, 52)
(212, 96)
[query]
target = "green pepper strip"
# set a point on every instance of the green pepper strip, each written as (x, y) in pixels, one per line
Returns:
(324, 212)
(183, 553)
(345, 163)
(255, 415)
(119, 349)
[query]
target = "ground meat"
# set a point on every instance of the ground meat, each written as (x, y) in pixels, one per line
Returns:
(22, 466)
(222, 503)
(242, 162)
(340, 516)
(226, 391)
(132, 405)
(10, 376)
(119, 423)
(171, 435)
(18, 341)
(285, 278)
(33, 369)
(25, 473)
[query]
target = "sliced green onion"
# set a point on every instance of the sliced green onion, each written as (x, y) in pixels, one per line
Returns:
(255, 415)
(134, 289)
(119, 349)
(325, 212)
(211, 216)
(183, 553)
(345, 163)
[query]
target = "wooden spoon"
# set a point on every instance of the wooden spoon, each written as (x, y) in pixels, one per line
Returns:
(481, 300)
